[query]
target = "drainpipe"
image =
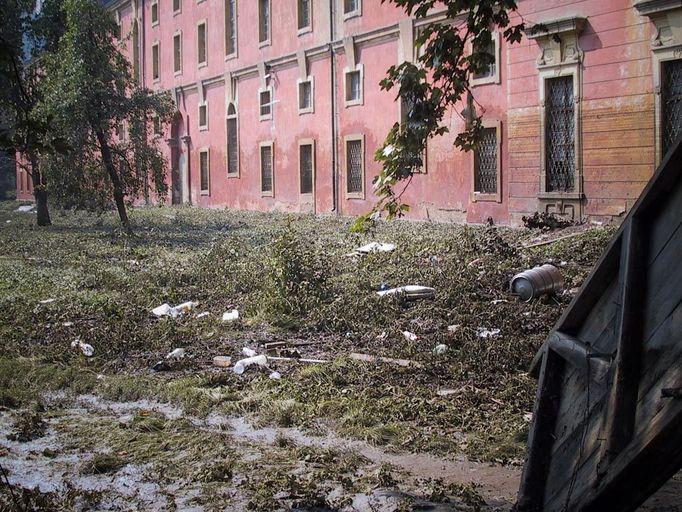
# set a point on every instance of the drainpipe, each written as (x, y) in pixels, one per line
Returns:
(334, 105)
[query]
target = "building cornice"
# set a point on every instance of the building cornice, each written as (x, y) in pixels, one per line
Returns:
(574, 24)
(654, 7)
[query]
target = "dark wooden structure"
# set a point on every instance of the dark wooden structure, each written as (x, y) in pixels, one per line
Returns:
(607, 425)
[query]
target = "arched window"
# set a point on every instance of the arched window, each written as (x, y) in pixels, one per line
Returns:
(232, 141)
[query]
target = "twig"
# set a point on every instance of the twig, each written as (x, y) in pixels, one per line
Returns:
(300, 360)
(547, 242)
(378, 359)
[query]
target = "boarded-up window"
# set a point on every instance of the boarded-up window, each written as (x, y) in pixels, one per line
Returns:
(232, 141)
(353, 86)
(354, 166)
(201, 43)
(203, 116)
(560, 134)
(177, 53)
(177, 6)
(305, 95)
(306, 167)
(671, 101)
(263, 21)
(155, 13)
(351, 6)
(204, 171)
(266, 177)
(304, 14)
(485, 163)
(230, 27)
(265, 102)
(155, 61)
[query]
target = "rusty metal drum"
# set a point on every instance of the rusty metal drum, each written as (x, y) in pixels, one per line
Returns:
(537, 281)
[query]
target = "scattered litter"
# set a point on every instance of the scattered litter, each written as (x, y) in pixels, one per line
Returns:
(411, 292)
(222, 361)
(231, 316)
(101, 376)
(454, 328)
(300, 360)
(67, 324)
(528, 417)
(202, 315)
(47, 301)
(178, 353)
(27, 208)
(275, 375)
(242, 364)
(440, 349)
(85, 348)
(377, 359)
(375, 247)
(410, 336)
(447, 392)
(483, 332)
(174, 312)
(573, 291)
(8, 222)
(498, 301)
(382, 336)
(249, 352)
(537, 281)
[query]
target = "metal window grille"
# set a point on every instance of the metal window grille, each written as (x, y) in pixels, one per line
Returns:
(354, 166)
(560, 135)
(305, 95)
(263, 21)
(230, 26)
(350, 6)
(201, 42)
(672, 103)
(232, 146)
(353, 86)
(177, 55)
(203, 168)
(266, 168)
(265, 103)
(303, 13)
(306, 162)
(485, 163)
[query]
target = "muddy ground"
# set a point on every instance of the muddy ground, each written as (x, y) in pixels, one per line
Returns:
(119, 431)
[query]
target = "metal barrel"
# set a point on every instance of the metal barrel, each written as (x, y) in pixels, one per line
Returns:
(537, 281)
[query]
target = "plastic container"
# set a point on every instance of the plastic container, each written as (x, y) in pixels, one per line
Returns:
(242, 364)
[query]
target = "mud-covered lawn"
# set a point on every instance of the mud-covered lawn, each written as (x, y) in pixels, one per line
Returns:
(110, 433)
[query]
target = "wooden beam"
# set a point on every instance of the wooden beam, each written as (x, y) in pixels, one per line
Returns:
(579, 355)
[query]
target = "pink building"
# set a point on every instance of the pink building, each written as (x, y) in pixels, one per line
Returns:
(279, 107)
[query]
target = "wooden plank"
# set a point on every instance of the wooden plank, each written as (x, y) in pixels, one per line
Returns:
(589, 363)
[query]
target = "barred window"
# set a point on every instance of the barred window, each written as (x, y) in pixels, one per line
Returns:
(263, 21)
(305, 96)
(266, 164)
(304, 14)
(485, 163)
(177, 53)
(232, 142)
(560, 135)
(204, 171)
(230, 27)
(306, 167)
(201, 43)
(671, 102)
(354, 166)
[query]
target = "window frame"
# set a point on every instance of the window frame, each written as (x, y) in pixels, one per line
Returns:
(154, 5)
(234, 53)
(205, 191)
(229, 117)
(267, 41)
(660, 56)
(493, 78)
(204, 63)
(179, 9)
(200, 105)
(311, 143)
(306, 110)
(266, 144)
(475, 196)
(177, 34)
(309, 27)
(353, 138)
(347, 71)
(354, 13)
(156, 127)
(268, 116)
(156, 66)
(402, 116)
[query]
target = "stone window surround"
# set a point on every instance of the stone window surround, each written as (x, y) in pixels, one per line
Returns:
(204, 104)
(179, 9)
(497, 196)
(266, 117)
(203, 63)
(346, 72)
(494, 78)
(234, 116)
(177, 33)
(206, 191)
(346, 140)
(152, 5)
(306, 142)
(351, 14)
(156, 48)
(234, 54)
(308, 28)
(311, 109)
(268, 40)
(271, 145)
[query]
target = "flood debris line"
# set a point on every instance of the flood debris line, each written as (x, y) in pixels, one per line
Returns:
(86, 349)
(410, 292)
(174, 311)
(368, 358)
(537, 281)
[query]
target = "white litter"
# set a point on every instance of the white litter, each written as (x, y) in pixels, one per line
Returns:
(375, 247)
(249, 352)
(178, 353)
(8, 221)
(231, 316)
(27, 208)
(67, 324)
(440, 349)
(242, 364)
(85, 348)
(47, 301)
(454, 328)
(483, 332)
(411, 292)
(174, 311)
(202, 315)
(498, 301)
(275, 375)
(410, 336)
(528, 417)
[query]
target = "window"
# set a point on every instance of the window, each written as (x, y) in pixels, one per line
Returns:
(305, 18)
(305, 96)
(306, 165)
(232, 141)
(671, 103)
(417, 161)
(204, 172)
(155, 13)
(355, 166)
(157, 126)
(352, 8)
(230, 28)
(177, 53)
(177, 7)
(354, 86)
(265, 103)
(119, 130)
(492, 72)
(266, 169)
(136, 52)
(203, 116)
(155, 61)
(264, 22)
(559, 135)
(201, 44)
(486, 179)
(117, 28)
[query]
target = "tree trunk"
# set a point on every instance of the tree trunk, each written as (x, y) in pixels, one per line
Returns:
(115, 179)
(40, 193)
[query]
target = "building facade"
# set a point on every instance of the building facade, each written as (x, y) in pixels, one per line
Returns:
(279, 107)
